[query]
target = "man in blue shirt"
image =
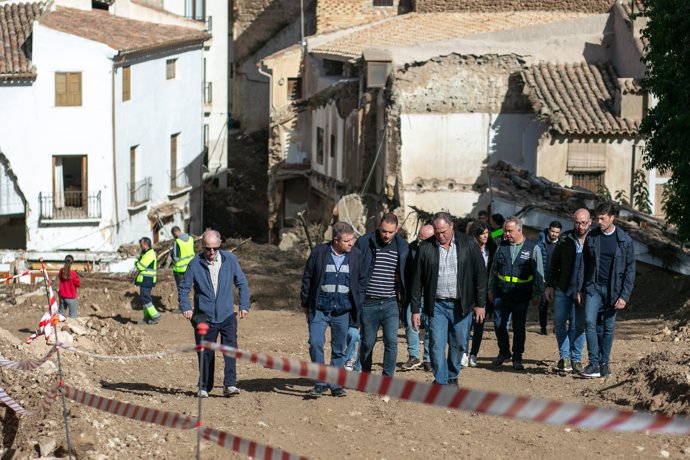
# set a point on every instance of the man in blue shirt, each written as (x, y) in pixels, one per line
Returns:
(213, 274)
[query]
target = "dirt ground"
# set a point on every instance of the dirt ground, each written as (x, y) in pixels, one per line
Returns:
(650, 365)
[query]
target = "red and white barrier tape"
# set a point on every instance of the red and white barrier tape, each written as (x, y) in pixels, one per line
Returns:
(11, 403)
(19, 275)
(247, 447)
(26, 364)
(158, 354)
(485, 402)
(45, 327)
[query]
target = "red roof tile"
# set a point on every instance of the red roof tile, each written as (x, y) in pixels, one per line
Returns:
(16, 20)
(577, 98)
(122, 34)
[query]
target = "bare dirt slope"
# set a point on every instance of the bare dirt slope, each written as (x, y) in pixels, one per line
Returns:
(650, 369)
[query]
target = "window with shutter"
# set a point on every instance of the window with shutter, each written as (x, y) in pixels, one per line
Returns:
(67, 89)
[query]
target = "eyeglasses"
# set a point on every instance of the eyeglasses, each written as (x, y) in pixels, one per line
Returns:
(209, 249)
(582, 224)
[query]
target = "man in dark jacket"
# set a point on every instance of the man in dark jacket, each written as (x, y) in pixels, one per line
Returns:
(515, 277)
(213, 273)
(412, 334)
(450, 272)
(609, 263)
(563, 280)
(331, 295)
(385, 259)
(548, 239)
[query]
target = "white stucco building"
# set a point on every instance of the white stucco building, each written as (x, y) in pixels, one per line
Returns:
(101, 133)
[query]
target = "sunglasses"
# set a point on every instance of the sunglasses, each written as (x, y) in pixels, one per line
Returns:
(209, 249)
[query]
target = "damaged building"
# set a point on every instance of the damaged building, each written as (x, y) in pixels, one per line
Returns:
(410, 106)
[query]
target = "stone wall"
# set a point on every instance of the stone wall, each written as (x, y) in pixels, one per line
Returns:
(587, 6)
(462, 84)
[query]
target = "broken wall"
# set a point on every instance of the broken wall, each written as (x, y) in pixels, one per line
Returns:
(450, 117)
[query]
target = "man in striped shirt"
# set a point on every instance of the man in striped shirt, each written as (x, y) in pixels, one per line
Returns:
(385, 256)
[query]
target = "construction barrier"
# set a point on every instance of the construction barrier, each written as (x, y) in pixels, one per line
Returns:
(485, 402)
(26, 364)
(19, 275)
(11, 403)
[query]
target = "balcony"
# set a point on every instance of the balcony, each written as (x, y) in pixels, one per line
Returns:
(139, 192)
(208, 92)
(179, 182)
(69, 206)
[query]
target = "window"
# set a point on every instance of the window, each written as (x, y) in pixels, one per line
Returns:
(132, 173)
(319, 145)
(377, 74)
(333, 68)
(591, 181)
(170, 69)
(139, 190)
(195, 9)
(67, 89)
(206, 135)
(126, 83)
(333, 146)
(383, 3)
(69, 184)
(586, 156)
(294, 89)
(173, 161)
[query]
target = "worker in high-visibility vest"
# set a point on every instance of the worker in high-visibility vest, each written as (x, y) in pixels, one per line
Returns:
(182, 253)
(146, 265)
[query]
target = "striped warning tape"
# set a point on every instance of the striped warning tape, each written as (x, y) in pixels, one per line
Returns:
(249, 448)
(26, 364)
(11, 403)
(19, 275)
(158, 354)
(142, 414)
(486, 402)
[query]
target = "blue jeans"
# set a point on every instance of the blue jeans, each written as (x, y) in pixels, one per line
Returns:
(412, 336)
(599, 351)
(228, 336)
(380, 313)
(448, 326)
(503, 311)
(571, 341)
(318, 322)
(352, 345)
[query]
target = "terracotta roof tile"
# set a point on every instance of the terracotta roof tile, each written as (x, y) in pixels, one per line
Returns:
(16, 20)
(577, 98)
(419, 28)
(122, 34)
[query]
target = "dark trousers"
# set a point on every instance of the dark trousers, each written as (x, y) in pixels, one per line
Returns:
(543, 312)
(503, 310)
(145, 295)
(178, 278)
(228, 336)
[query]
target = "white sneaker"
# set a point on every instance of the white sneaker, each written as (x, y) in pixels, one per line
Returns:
(349, 364)
(473, 360)
(465, 360)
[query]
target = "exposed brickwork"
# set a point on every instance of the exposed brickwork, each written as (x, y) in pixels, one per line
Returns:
(340, 14)
(578, 98)
(462, 84)
(585, 6)
(15, 31)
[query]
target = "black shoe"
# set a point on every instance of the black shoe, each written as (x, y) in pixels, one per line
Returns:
(317, 391)
(591, 371)
(500, 359)
(453, 382)
(426, 365)
(338, 392)
(517, 365)
(604, 370)
(543, 331)
(412, 363)
(577, 367)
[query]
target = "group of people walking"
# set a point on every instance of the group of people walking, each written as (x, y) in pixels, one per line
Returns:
(449, 282)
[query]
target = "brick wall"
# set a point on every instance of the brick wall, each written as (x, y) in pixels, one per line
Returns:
(588, 6)
(341, 14)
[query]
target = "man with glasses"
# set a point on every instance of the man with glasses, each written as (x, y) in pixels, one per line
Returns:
(213, 274)
(451, 275)
(331, 296)
(609, 265)
(563, 280)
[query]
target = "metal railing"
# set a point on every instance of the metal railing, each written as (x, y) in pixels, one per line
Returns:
(208, 92)
(69, 206)
(178, 180)
(139, 192)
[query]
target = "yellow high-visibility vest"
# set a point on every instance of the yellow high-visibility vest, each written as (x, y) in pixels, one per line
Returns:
(186, 253)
